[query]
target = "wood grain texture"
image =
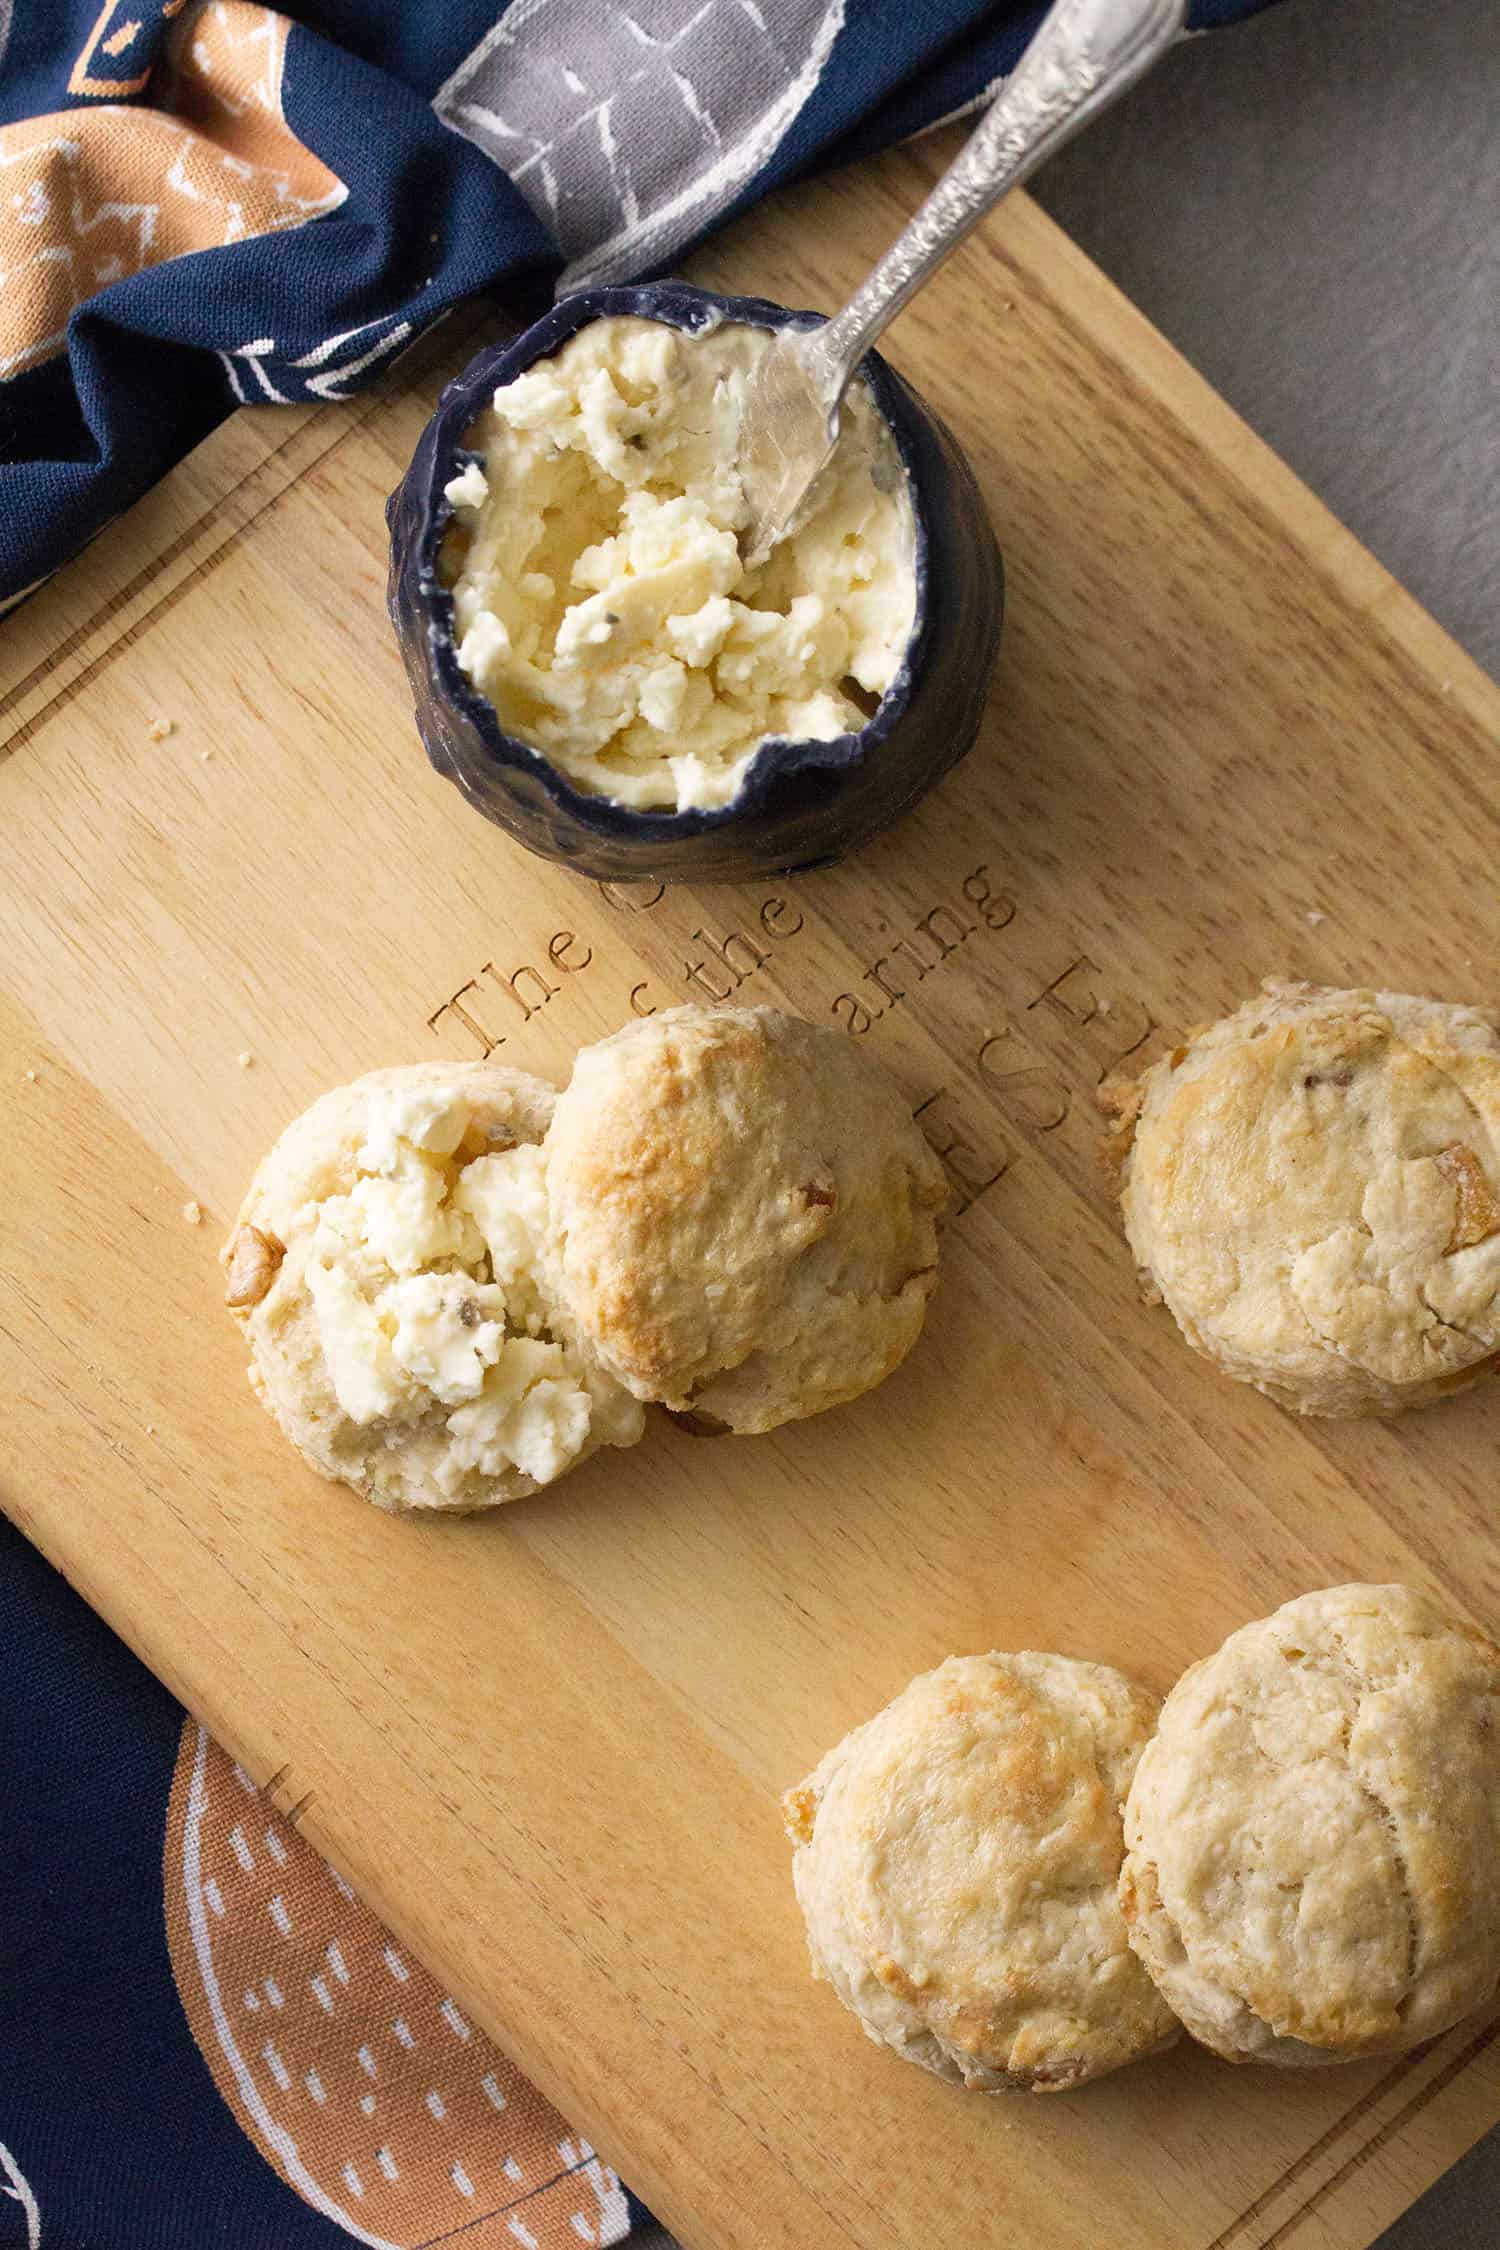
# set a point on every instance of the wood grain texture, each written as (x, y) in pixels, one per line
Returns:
(548, 1746)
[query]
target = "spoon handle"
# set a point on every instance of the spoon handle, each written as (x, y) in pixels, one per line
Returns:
(1085, 53)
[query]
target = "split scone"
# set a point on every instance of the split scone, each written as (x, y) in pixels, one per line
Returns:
(957, 1860)
(388, 1269)
(743, 1214)
(1313, 1187)
(1313, 1836)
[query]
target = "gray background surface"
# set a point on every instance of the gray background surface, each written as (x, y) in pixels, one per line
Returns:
(1309, 207)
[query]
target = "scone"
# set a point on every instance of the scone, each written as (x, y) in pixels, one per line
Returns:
(1313, 1187)
(1313, 1836)
(388, 1269)
(743, 1214)
(957, 1860)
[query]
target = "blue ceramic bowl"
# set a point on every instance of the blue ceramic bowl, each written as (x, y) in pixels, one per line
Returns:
(801, 803)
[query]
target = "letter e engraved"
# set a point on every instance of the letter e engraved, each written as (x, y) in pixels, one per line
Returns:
(560, 945)
(1032, 1094)
(779, 918)
(969, 1172)
(454, 1006)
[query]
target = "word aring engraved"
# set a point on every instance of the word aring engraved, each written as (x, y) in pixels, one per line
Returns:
(935, 937)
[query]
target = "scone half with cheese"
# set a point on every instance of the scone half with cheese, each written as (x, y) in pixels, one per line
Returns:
(389, 1270)
(743, 1212)
(1312, 1186)
(1313, 1835)
(956, 1862)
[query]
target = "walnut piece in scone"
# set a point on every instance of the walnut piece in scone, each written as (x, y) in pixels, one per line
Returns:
(1312, 1186)
(1313, 1834)
(389, 1270)
(956, 1862)
(743, 1214)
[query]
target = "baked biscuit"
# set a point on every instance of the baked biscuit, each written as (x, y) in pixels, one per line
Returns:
(1313, 1187)
(743, 1214)
(1313, 1836)
(956, 1863)
(388, 1268)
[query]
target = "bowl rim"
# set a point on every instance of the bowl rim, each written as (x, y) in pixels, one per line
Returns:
(696, 311)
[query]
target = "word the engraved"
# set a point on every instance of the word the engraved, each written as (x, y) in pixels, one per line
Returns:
(526, 988)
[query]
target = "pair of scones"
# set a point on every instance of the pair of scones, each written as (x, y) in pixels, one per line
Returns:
(456, 1283)
(1312, 1186)
(1020, 1875)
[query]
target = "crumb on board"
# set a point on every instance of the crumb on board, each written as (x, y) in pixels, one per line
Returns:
(244, 1058)
(159, 729)
(150, 1429)
(192, 1211)
(205, 755)
(31, 1077)
(1315, 917)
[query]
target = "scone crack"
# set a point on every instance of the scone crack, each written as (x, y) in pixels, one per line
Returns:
(1360, 1686)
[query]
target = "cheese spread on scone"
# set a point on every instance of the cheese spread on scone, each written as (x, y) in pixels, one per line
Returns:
(389, 1267)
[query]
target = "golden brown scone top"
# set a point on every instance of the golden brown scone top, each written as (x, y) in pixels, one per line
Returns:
(744, 1213)
(1313, 1187)
(956, 1863)
(1313, 1836)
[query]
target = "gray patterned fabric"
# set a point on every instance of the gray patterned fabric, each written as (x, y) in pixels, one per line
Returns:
(662, 113)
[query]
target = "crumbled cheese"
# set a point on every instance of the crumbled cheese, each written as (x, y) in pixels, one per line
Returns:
(435, 1122)
(469, 489)
(366, 1378)
(535, 1415)
(159, 729)
(505, 1196)
(193, 1213)
(448, 1331)
(602, 604)
(426, 1282)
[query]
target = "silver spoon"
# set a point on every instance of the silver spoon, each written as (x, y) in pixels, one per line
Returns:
(1084, 54)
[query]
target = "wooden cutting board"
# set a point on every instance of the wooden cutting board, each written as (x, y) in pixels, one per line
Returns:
(548, 1746)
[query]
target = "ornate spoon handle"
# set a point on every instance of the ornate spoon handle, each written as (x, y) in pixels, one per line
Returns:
(1085, 54)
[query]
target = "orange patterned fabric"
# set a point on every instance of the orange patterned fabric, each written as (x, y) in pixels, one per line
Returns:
(90, 195)
(351, 2071)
